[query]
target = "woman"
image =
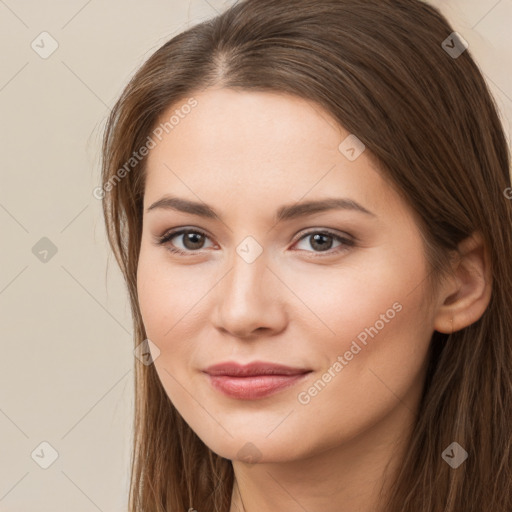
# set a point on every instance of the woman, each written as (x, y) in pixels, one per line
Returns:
(308, 201)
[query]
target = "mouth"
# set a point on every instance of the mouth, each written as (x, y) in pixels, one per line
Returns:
(253, 381)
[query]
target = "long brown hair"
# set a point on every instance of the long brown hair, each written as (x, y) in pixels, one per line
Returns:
(384, 70)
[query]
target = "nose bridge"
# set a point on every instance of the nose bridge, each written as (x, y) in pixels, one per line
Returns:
(247, 280)
(247, 297)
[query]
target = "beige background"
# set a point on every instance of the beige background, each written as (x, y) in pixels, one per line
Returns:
(66, 348)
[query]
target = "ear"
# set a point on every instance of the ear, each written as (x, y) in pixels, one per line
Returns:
(466, 295)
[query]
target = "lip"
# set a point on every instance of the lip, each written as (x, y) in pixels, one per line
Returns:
(233, 369)
(253, 381)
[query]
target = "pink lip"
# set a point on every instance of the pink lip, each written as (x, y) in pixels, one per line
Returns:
(254, 380)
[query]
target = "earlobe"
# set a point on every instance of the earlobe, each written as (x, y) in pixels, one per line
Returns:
(467, 296)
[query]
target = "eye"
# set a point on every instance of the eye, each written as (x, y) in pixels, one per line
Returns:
(322, 241)
(192, 240)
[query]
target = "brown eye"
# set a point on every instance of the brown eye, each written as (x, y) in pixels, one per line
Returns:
(191, 240)
(322, 241)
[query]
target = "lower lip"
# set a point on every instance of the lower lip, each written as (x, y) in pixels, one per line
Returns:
(255, 387)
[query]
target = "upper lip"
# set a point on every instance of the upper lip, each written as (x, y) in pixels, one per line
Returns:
(234, 369)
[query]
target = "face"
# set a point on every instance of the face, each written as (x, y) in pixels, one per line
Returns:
(337, 291)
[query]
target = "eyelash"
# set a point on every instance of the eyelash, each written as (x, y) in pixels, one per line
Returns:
(166, 237)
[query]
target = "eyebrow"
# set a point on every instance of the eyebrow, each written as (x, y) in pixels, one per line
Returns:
(284, 213)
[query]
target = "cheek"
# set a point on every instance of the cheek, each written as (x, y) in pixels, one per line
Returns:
(170, 300)
(342, 301)
(374, 343)
(156, 288)
(152, 299)
(370, 313)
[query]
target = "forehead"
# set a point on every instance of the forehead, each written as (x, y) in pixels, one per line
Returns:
(262, 147)
(244, 120)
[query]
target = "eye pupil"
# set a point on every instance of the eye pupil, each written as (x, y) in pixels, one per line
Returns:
(191, 237)
(316, 239)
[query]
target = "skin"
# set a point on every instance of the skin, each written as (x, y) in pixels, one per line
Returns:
(246, 154)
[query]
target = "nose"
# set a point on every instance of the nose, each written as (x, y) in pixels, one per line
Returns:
(249, 300)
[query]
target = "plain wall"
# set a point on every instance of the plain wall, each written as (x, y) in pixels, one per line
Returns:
(66, 349)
